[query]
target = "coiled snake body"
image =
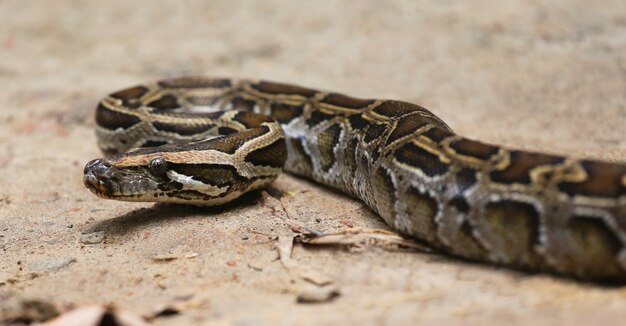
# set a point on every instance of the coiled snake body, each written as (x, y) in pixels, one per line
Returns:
(482, 202)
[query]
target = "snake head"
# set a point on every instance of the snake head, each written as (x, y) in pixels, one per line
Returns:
(111, 179)
(208, 172)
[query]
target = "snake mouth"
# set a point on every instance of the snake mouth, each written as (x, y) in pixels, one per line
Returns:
(96, 186)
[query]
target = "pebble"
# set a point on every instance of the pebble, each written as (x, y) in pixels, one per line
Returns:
(92, 238)
(313, 294)
(50, 264)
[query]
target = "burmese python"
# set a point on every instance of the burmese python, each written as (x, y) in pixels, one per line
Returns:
(207, 141)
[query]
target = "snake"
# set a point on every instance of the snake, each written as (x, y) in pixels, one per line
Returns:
(206, 141)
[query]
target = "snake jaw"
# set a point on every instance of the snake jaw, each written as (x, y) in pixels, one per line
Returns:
(94, 185)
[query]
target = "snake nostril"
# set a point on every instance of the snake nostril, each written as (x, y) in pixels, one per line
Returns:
(89, 166)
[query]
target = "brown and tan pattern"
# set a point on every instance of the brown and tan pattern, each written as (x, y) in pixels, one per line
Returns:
(482, 202)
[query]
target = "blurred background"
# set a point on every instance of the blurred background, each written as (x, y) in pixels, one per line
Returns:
(538, 75)
(525, 64)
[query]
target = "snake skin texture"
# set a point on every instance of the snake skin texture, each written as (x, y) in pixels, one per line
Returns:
(529, 211)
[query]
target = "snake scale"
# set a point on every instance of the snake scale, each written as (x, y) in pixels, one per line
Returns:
(206, 141)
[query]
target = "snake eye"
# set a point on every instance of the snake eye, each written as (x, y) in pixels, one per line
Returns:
(158, 166)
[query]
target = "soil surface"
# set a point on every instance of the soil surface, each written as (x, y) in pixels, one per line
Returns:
(547, 76)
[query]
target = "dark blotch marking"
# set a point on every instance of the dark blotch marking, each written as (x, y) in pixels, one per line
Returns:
(170, 185)
(599, 247)
(242, 104)
(374, 131)
(128, 94)
(227, 144)
(396, 108)
(474, 149)
(296, 144)
(364, 162)
(226, 130)
(375, 154)
(384, 194)
(190, 195)
(284, 113)
(521, 164)
(405, 126)
(191, 82)
(420, 158)
(460, 204)
(230, 143)
(110, 119)
(274, 155)
(153, 143)
(422, 209)
(165, 102)
(182, 129)
(357, 122)
(346, 101)
(250, 119)
(517, 225)
(286, 89)
(327, 140)
(465, 178)
(437, 134)
(176, 185)
(206, 115)
(467, 245)
(317, 117)
(349, 156)
(604, 180)
(214, 174)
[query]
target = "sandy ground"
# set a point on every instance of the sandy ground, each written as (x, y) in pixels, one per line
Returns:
(547, 75)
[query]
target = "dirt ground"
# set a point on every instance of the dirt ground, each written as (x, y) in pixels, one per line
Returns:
(547, 75)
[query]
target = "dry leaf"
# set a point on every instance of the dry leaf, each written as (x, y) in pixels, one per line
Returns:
(164, 258)
(316, 278)
(279, 209)
(285, 246)
(360, 237)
